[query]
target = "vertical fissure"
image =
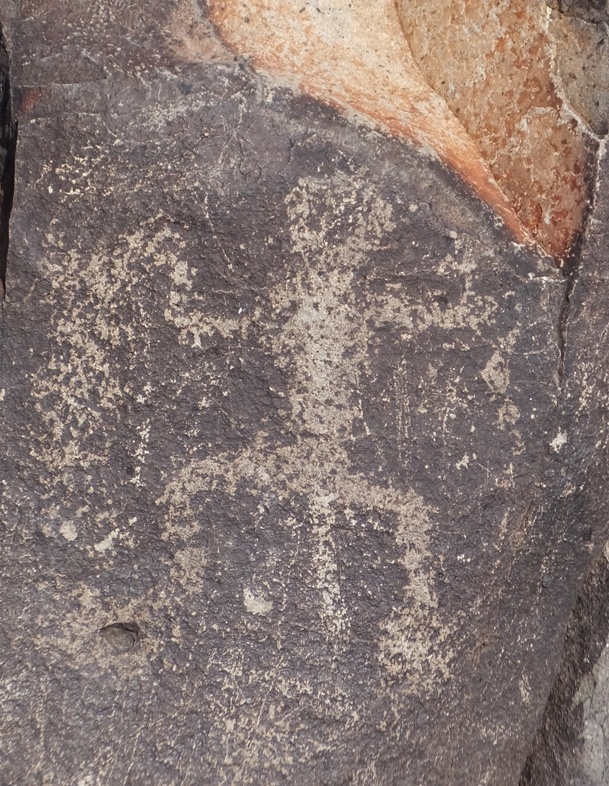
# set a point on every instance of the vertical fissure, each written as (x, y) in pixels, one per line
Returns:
(570, 271)
(8, 147)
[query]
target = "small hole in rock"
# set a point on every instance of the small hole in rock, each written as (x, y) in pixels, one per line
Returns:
(121, 636)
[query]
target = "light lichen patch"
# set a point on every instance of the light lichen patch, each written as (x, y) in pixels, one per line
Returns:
(413, 635)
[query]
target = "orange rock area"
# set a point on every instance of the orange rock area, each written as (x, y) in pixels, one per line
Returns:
(494, 66)
(472, 82)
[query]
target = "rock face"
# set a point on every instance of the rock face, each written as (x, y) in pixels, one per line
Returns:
(355, 56)
(304, 456)
(582, 53)
(570, 746)
(496, 71)
(482, 88)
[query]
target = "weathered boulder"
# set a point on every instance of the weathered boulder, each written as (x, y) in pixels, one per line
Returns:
(570, 746)
(304, 454)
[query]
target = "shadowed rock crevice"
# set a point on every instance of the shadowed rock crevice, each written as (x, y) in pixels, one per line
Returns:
(569, 746)
(566, 749)
(594, 11)
(8, 144)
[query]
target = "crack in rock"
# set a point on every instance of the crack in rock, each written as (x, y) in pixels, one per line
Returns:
(8, 144)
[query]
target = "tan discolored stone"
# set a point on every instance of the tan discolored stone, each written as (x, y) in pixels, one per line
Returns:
(354, 56)
(495, 70)
(476, 87)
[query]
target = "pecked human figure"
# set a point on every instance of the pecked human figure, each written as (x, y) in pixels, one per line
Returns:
(293, 416)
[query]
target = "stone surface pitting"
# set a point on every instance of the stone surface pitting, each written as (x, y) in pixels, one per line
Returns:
(569, 746)
(278, 391)
(495, 68)
(480, 87)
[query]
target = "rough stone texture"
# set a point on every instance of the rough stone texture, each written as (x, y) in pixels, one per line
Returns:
(354, 56)
(495, 67)
(302, 463)
(582, 58)
(595, 11)
(479, 85)
(570, 748)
